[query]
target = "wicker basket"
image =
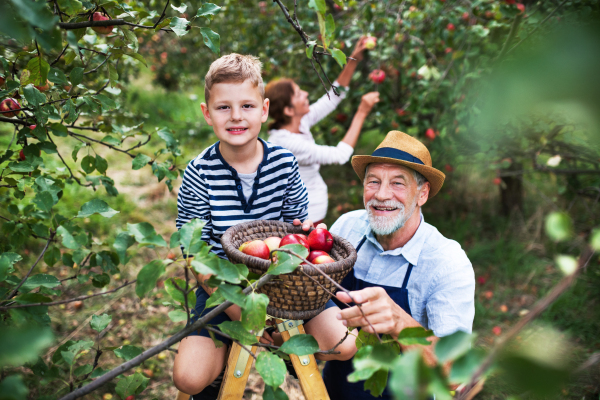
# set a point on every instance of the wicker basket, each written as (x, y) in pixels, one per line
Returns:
(294, 295)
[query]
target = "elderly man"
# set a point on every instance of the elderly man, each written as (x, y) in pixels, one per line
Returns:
(407, 274)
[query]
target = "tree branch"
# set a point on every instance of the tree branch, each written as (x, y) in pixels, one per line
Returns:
(108, 22)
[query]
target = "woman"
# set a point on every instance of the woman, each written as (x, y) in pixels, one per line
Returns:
(293, 117)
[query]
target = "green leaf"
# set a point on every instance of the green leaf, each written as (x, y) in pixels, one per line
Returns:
(13, 388)
(377, 382)
(33, 96)
(274, 394)
(254, 311)
(99, 322)
(404, 379)
(36, 13)
(559, 226)
(68, 238)
(59, 130)
(179, 26)
(140, 161)
(111, 140)
(167, 135)
(30, 298)
(7, 260)
(271, 368)
(145, 234)
(181, 9)
(215, 299)
(138, 57)
(339, 56)
(174, 241)
(101, 164)
(76, 76)
(300, 345)
(310, 48)
(329, 28)
(39, 68)
(177, 315)
(38, 280)
(287, 263)
(131, 385)
(453, 346)
(416, 335)
(190, 236)
(208, 10)
(52, 256)
(20, 345)
(232, 293)
(108, 104)
(465, 366)
(222, 269)
(122, 242)
(176, 294)
(113, 76)
(212, 40)
(595, 240)
(96, 206)
(128, 352)
(83, 370)
(147, 277)
(237, 331)
(318, 5)
(70, 6)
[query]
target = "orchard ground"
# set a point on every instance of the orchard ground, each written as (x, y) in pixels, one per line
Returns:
(513, 260)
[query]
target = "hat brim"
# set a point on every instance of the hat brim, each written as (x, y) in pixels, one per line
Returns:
(434, 177)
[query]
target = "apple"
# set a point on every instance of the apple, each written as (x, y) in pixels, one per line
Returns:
(10, 107)
(21, 156)
(448, 50)
(430, 133)
(67, 87)
(450, 27)
(78, 305)
(316, 253)
(44, 88)
(103, 30)
(272, 242)
(323, 260)
(171, 256)
(243, 246)
(521, 7)
(465, 16)
(303, 236)
(294, 239)
(2, 80)
(341, 117)
(320, 239)
(107, 396)
(377, 76)
(132, 397)
(256, 248)
(497, 181)
(32, 127)
(401, 112)
(448, 168)
(370, 42)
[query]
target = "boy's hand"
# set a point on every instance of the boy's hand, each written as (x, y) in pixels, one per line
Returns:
(306, 225)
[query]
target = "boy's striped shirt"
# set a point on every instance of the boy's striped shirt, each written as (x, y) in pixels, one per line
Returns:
(212, 191)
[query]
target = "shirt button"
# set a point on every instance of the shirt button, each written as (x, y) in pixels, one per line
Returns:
(239, 187)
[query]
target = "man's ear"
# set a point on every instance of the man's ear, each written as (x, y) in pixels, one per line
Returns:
(424, 194)
(288, 111)
(265, 110)
(206, 114)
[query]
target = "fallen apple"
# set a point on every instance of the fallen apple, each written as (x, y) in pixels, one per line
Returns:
(295, 239)
(10, 107)
(256, 248)
(370, 42)
(377, 76)
(272, 242)
(314, 254)
(103, 30)
(320, 239)
(323, 260)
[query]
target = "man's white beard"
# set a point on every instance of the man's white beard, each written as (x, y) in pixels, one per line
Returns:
(382, 225)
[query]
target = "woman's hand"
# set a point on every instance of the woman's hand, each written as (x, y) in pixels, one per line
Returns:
(359, 49)
(367, 102)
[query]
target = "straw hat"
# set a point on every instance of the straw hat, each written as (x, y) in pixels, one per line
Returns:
(400, 148)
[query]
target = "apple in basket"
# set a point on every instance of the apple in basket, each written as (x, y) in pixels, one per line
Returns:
(255, 248)
(323, 259)
(294, 239)
(314, 254)
(272, 242)
(320, 239)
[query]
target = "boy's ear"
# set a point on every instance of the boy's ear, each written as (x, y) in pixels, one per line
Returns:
(265, 110)
(206, 114)
(289, 111)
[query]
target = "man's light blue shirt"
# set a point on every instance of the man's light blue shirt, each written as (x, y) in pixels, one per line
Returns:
(441, 288)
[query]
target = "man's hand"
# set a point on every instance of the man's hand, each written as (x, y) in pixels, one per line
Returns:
(382, 312)
(306, 225)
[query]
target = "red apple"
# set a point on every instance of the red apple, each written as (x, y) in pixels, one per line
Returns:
(32, 127)
(316, 253)
(511, 1)
(497, 181)
(323, 260)
(294, 239)
(9, 107)
(272, 242)
(521, 7)
(430, 133)
(67, 87)
(256, 248)
(448, 168)
(243, 245)
(303, 236)
(370, 42)
(341, 117)
(401, 112)
(377, 76)
(465, 16)
(450, 27)
(320, 239)
(132, 397)
(448, 50)
(21, 156)
(104, 30)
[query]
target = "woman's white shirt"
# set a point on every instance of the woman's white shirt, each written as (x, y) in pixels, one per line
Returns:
(310, 155)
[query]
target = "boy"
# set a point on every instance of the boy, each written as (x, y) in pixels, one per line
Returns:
(240, 178)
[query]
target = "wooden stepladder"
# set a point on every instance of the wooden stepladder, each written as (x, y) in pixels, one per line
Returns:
(240, 363)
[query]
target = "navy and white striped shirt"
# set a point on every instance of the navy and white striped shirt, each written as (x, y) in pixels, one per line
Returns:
(212, 191)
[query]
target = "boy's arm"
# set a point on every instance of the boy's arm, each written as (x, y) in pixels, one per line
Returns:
(295, 200)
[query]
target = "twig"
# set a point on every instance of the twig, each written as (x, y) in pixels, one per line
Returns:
(65, 164)
(535, 312)
(162, 15)
(98, 67)
(511, 35)
(53, 303)
(60, 55)
(15, 290)
(199, 324)
(108, 22)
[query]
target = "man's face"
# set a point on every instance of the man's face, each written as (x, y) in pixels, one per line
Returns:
(391, 196)
(236, 112)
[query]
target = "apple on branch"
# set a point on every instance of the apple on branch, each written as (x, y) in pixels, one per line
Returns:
(370, 42)
(103, 30)
(10, 108)
(377, 76)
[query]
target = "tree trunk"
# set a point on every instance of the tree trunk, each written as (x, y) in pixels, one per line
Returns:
(511, 190)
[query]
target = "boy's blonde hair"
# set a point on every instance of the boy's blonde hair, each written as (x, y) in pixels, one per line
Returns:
(234, 68)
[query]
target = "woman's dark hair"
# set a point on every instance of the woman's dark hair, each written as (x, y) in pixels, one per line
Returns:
(279, 92)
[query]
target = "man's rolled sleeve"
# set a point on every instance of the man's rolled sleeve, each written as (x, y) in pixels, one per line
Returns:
(451, 306)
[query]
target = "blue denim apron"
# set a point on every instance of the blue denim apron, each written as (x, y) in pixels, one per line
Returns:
(335, 372)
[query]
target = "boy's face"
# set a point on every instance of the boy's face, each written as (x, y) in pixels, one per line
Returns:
(236, 112)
